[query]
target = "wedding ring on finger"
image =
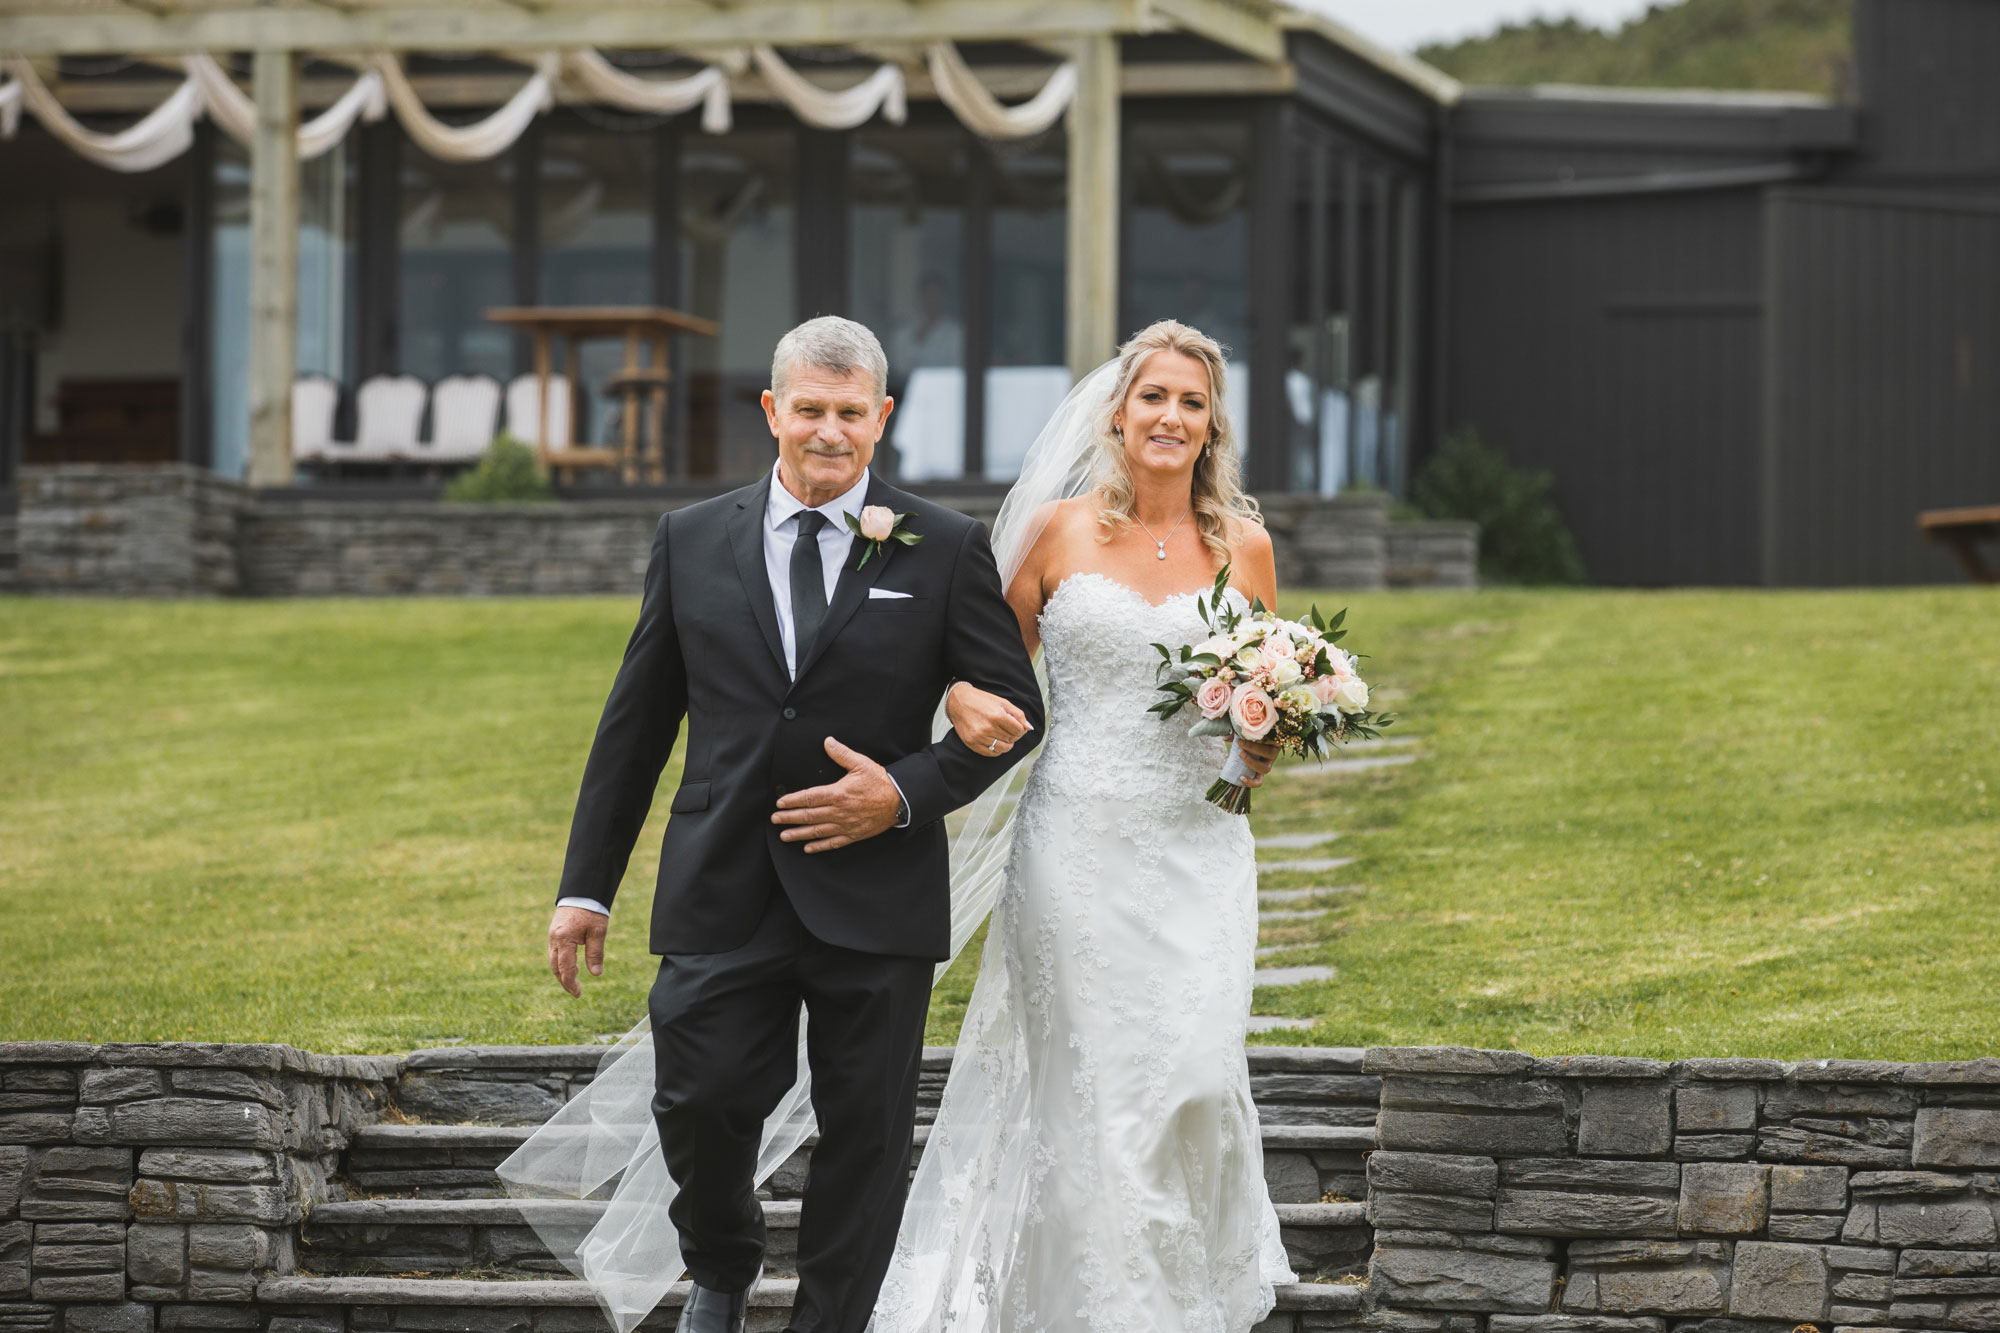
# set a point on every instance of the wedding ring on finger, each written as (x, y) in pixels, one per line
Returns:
(993, 747)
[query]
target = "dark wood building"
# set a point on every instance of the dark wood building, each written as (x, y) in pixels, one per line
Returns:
(1751, 335)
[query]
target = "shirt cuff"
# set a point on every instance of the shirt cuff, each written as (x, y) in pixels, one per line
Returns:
(587, 904)
(903, 806)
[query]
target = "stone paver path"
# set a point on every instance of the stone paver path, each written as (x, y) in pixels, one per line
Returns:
(1291, 976)
(1311, 866)
(1272, 1023)
(1295, 842)
(1284, 907)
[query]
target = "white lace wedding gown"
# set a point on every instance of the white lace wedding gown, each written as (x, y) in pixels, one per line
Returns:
(1095, 1166)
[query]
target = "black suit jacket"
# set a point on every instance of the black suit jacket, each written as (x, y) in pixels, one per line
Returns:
(706, 649)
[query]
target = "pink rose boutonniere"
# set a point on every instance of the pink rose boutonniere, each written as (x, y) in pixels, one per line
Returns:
(877, 527)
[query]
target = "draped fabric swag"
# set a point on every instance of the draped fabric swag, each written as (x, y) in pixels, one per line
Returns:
(982, 113)
(168, 130)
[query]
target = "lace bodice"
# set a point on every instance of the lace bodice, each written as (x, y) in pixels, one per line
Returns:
(1095, 1163)
(1096, 643)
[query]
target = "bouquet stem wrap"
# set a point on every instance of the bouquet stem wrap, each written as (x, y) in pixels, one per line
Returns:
(1229, 790)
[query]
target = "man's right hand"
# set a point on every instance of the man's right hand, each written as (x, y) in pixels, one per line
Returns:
(571, 929)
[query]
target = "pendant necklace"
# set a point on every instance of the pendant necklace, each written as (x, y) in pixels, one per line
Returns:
(1161, 542)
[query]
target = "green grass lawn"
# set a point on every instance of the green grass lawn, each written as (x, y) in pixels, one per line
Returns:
(1661, 824)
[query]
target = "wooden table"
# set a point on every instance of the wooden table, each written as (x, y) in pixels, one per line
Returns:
(1962, 530)
(638, 383)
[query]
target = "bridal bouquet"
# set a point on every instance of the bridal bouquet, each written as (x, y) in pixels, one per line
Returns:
(1261, 678)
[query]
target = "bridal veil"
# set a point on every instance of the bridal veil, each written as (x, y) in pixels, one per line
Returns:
(604, 1147)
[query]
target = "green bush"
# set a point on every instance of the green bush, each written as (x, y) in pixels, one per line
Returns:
(507, 473)
(1522, 537)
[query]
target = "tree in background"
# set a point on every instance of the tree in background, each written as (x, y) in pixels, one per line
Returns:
(1522, 536)
(1778, 45)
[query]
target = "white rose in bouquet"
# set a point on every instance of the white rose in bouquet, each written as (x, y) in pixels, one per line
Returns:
(1352, 696)
(1299, 699)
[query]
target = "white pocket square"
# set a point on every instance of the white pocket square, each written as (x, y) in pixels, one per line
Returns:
(886, 592)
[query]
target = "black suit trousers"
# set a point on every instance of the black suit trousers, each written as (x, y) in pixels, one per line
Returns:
(725, 1045)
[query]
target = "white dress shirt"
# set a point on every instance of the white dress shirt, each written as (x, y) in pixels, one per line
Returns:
(781, 533)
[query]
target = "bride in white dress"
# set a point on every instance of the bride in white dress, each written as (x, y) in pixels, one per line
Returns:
(1095, 1165)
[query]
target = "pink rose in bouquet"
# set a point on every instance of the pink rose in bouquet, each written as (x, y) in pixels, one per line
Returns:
(1258, 677)
(1253, 712)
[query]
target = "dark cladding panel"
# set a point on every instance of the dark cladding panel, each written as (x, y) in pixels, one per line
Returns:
(1925, 73)
(1361, 99)
(1615, 342)
(1502, 137)
(1884, 396)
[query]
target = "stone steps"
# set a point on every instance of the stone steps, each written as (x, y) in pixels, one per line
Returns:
(456, 1162)
(422, 1200)
(387, 1237)
(433, 1305)
(1307, 866)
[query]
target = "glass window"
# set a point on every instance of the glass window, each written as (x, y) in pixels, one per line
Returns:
(456, 231)
(1347, 381)
(327, 221)
(737, 269)
(595, 225)
(1188, 236)
(1027, 373)
(906, 272)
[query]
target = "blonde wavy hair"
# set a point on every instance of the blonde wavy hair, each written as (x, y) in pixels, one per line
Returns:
(1220, 506)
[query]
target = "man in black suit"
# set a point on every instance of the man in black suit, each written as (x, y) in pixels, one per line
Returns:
(804, 861)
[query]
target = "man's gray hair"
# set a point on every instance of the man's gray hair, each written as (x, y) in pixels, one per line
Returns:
(835, 345)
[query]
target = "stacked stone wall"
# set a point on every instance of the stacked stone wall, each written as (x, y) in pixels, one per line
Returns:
(162, 1188)
(151, 1186)
(173, 530)
(1709, 1196)
(139, 531)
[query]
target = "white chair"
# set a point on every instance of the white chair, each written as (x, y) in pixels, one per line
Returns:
(388, 408)
(524, 416)
(464, 409)
(930, 425)
(1019, 402)
(314, 400)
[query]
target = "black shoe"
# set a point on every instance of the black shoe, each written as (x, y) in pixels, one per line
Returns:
(717, 1311)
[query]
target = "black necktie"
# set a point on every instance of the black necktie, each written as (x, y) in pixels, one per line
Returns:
(808, 586)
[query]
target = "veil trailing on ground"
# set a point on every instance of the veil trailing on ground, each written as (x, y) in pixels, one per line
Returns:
(602, 1149)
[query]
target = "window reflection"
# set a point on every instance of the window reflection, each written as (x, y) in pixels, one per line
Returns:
(595, 225)
(736, 256)
(327, 225)
(456, 230)
(1027, 373)
(1346, 382)
(1188, 233)
(906, 272)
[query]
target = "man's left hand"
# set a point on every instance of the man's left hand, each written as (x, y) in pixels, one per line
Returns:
(859, 806)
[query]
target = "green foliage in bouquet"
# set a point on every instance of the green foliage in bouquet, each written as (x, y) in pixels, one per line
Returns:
(1181, 676)
(1522, 536)
(506, 474)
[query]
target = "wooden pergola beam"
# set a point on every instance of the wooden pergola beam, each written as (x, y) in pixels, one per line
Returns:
(1090, 276)
(33, 30)
(1253, 32)
(274, 266)
(1010, 83)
